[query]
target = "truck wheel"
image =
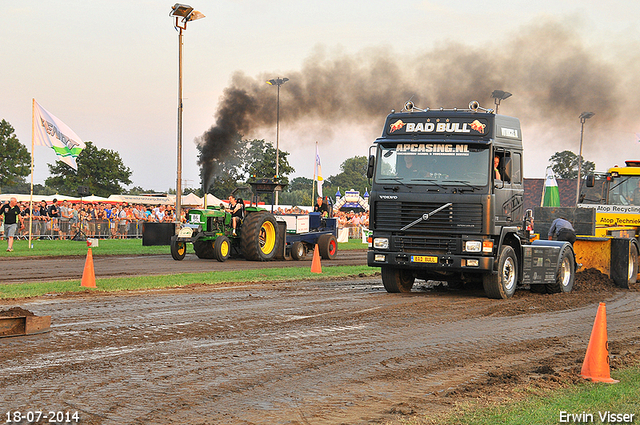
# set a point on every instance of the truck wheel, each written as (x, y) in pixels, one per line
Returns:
(328, 246)
(397, 280)
(259, 234)
(502, 285)
(633, 263)
(203, 249)
(178, 249)
(566, 273)
(298, 250)
(222, 248)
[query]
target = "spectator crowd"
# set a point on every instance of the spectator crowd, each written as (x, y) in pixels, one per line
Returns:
(106, 220)
(64, 219)
(354, 221)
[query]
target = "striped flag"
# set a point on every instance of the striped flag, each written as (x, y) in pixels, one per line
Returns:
(550, 194)
(318, 171)
(50, 131)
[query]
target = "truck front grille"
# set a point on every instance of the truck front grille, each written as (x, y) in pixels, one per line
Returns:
(427, 243)
(455, 219)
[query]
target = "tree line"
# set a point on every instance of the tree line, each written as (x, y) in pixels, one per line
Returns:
(255, 159)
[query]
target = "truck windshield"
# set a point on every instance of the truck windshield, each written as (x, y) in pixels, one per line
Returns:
(625, 190)
(433, 163)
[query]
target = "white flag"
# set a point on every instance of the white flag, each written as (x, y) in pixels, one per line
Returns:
(50, 131)
(318, 172)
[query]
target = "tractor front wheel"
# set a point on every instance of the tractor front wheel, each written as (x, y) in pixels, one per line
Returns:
(178, 249)
(222, 248)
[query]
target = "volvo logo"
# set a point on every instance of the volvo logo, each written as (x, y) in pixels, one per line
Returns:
(388, 196)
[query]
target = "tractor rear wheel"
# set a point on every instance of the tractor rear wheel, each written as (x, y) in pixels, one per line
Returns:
(259, 236)
(203, 249)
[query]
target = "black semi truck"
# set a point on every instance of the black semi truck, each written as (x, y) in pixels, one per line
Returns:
(447, 205)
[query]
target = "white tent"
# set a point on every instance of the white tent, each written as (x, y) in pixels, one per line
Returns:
(94, 198)
(36, 198)
(192, 200)
(212, 200)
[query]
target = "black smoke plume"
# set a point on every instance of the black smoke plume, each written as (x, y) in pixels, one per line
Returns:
(233, 118)
(553, 73)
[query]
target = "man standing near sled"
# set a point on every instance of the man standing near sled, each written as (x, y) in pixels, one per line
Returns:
(11, 213)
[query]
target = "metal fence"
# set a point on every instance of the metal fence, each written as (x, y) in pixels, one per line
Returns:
(98, 229)
(108, 229)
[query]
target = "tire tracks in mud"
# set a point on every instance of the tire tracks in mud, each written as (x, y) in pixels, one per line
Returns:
(299, 352)
(28, 269)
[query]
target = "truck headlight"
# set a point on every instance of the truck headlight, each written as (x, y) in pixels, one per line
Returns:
(472, 246)
(380, 258)
(381, 243)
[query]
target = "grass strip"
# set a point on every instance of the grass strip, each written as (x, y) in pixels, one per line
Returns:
(57, 248)
(588, 402)
(35, 289)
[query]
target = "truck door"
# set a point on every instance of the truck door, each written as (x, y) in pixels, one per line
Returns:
(508, 189)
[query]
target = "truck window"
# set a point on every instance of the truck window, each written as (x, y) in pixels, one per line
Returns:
(625, 190)
(516, 164)
(501, 157)
(433, 163)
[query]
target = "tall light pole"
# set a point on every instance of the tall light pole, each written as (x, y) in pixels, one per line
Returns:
(499, 95)
(183, 14)
(583, 117)
(277, 82)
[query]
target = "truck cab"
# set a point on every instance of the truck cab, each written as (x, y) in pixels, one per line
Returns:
(447, 199)
(615, 195)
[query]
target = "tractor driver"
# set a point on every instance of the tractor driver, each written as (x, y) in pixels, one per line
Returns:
(235, 208)
(321, 207)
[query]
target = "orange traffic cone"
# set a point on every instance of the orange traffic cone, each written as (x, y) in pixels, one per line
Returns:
(596, 362)
(315, 264)
(88, 275)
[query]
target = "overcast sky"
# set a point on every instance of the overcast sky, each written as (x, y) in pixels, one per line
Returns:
(108, 69)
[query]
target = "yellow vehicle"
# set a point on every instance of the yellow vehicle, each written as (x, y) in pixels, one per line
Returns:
(615, 197)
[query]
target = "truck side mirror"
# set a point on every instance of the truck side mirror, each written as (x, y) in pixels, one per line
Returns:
(371, 166)
(591, 180)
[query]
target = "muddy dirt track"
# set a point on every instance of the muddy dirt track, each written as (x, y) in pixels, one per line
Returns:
(329, 352)
(24, 269)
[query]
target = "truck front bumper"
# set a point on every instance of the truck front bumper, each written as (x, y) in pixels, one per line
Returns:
(432, 262)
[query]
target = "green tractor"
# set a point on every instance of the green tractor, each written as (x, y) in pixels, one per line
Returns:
(210, 230)
(211, 233)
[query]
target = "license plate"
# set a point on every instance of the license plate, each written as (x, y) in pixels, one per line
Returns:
(423, 259)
